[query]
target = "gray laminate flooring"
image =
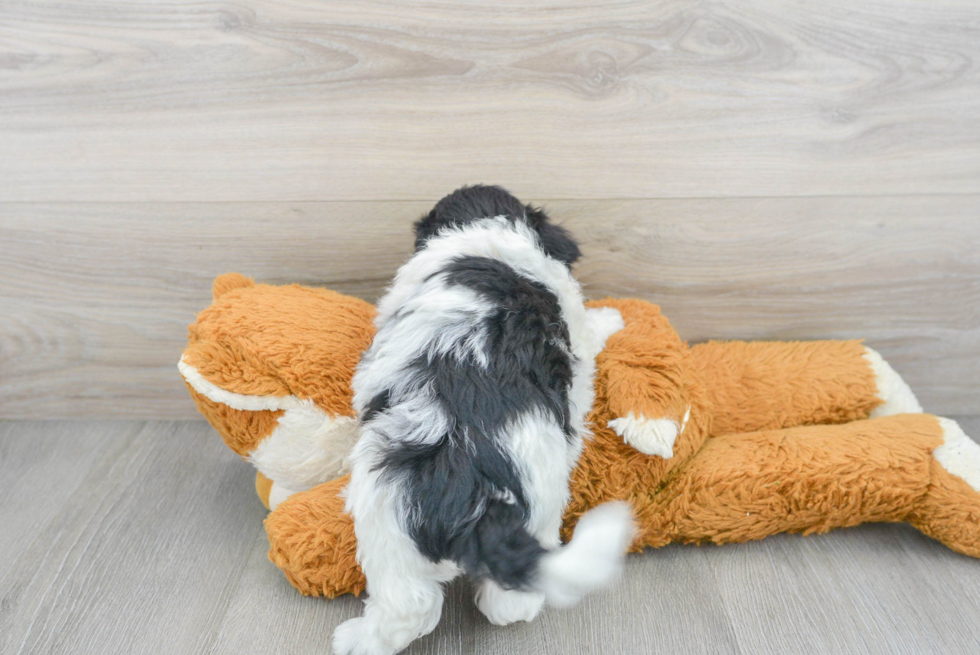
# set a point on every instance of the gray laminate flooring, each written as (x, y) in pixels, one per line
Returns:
(146, 537)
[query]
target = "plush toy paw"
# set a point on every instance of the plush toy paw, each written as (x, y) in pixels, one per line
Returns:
(895, 394)
(959, 454)
(651, 436)
(505, 606)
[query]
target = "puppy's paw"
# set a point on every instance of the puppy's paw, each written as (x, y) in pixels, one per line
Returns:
(356, 637)
(347, 637)
(504, 606)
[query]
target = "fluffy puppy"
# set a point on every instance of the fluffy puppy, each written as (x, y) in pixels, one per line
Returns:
(472, 399)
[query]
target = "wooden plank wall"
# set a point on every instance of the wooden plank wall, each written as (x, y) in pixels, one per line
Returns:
(761, 170)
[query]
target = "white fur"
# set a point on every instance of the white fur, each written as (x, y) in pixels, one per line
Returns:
(592, 559)
(897, 397)
(505, 606)
(537, 444)
(959, 454)
(404, 588)
(651, 436)
(603, 322)
(307, 447)
(404, 593)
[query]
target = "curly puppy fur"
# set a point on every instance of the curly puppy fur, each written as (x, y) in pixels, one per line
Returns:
(472, 399)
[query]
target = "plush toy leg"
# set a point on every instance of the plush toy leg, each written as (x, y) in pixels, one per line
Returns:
(312, 540)
(950, 510)
(404, 590)
(912, 467)
(405, 609)
(896, 396)
(767, 385)
(812, 479)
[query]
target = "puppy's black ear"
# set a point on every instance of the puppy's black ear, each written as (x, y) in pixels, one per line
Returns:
(426, 228)
(556, 241)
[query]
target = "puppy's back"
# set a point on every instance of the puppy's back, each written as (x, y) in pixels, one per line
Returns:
(465, 401)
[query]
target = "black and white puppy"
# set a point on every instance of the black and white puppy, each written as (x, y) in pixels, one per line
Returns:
(472, 399)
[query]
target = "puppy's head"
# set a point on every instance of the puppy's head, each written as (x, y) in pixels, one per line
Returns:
(471, 203)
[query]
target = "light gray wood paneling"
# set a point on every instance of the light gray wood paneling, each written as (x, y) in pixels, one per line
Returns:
(97, 297)
(366, 100)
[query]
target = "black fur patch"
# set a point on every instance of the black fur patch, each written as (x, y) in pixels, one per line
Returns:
(471, 203)
(464, 493)
(455, 493)
(527, 346)
(377, 405)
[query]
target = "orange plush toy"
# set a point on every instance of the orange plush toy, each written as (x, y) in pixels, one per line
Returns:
(720, 442)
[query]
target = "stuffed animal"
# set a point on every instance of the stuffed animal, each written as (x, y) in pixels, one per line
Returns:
(720, 442)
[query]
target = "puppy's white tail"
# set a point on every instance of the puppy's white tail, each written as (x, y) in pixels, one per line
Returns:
(592, 559)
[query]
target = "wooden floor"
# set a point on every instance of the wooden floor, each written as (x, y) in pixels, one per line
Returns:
(146, 537)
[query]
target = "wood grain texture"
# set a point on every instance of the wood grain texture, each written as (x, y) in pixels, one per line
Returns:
(264, 604)
(285, 100)
(34, 485)
(146, 538)
(96, 297)
(143, 554)
(643, 614)
(883, 588)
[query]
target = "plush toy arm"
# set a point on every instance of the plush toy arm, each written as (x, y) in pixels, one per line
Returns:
(644, 370)
(767, 385)
(741, 487)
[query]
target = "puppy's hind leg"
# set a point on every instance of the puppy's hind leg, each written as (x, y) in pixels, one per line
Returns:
(404, 587)
(404, 603)
(505, 606)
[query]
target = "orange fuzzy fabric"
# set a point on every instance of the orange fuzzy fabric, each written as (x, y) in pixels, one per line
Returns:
(765, 385)
(737, 488)
(312, 540)
(263, 340)
(778, 437)
(241, 431)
